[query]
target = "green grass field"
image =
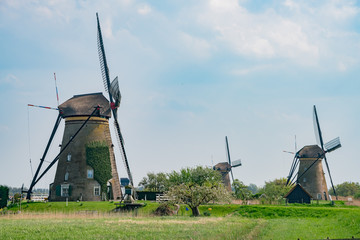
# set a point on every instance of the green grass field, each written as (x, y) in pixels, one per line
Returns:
(94, 220)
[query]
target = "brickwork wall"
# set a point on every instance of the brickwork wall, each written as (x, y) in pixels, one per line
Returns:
(313, 181)
(82, 187)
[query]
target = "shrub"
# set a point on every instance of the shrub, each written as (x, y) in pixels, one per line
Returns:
(4, 196)
(165, 209)
(98, 157)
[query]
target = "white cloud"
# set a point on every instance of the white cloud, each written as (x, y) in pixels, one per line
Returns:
(11, 79)
(144, 9)
(44, 11)
(306, 34)
(263, 35)
(106, 28)
(197, 47)
(340, 10)
(291, 5)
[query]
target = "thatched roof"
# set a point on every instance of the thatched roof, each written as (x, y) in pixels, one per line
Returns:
(83, 105)
(311, 151)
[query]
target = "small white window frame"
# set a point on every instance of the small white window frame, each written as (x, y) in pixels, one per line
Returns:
(97, 190)
(65, 190)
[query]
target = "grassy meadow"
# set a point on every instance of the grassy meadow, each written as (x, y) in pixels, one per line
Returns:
(95, 220)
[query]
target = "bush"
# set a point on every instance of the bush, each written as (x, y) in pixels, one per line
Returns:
(346, 189)
(207, 213)
(98, 157)
(4, 196)
(357, 196)
(165, 209)
(17, 197)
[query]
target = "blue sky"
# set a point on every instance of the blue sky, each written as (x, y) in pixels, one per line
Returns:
(190, 73)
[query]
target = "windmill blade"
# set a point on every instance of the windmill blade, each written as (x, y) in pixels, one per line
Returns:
(228, 156)
(317, 130)
(122, 150)
(103, 63)
(331, 181)
(332, 145)
(38, 106)
(319, 136)
(112, 90)
(115, 92)
(292, 169)
(236, 163)
(227, 150)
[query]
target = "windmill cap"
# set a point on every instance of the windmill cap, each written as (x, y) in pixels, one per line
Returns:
(310, 151)
(223, 166)
(84, 104)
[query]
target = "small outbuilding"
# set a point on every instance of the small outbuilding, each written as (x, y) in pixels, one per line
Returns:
(298, 195)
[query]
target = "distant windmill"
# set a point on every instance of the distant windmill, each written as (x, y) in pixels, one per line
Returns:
(86, 167)
(308, 160)
(225, 167)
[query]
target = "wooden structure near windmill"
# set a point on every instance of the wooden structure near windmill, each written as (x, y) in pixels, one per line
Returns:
(298, 195)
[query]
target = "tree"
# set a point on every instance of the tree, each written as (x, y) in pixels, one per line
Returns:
(4, 196)
(276, 189)
(196, 186)
(253, 188)
(242, 191)
(346, 189)
(155, 182)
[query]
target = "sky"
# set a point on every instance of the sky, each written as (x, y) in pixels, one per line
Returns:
(190, 73)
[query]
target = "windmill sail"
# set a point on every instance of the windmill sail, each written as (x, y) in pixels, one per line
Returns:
(228, 157)
(236, 163)
(319, 138)
(317, 129)
(114, 93)
(332, 145)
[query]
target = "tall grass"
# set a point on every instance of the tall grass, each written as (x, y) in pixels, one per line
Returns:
(96, 220)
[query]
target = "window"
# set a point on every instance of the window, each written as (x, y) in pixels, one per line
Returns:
(66, 176)
(97, 190)
(68, 157)
(304, 180)
(90, 173)
(65, 190)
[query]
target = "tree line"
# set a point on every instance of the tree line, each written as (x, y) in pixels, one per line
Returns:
(272, 192)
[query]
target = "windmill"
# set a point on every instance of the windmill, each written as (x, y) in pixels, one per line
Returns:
(86, 167)
(225, 167)
(308, 160)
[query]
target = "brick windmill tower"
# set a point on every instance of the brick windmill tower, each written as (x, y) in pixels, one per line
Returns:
(311, 173)
(308, 160)
(87, 168)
